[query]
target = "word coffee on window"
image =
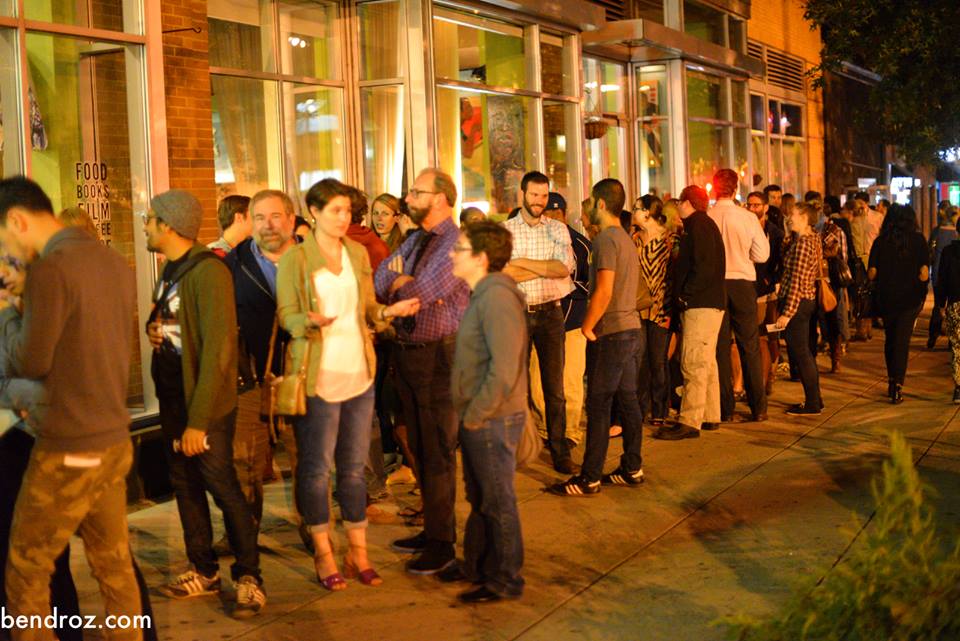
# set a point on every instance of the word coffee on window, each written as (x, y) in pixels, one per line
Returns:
(93, 196)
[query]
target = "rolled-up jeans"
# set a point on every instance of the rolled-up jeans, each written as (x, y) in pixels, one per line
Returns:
(492, 543)
(328, 434)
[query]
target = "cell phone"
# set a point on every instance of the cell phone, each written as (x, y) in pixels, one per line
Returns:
(772, 328)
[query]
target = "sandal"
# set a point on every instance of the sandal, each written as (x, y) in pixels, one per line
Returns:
(333, 582)
(367, 577)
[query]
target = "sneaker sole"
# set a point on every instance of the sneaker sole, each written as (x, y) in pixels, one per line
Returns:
(245, 614)
(403, 550)
(432, 570)
(576, 496)
(181, 597)
(621, 483)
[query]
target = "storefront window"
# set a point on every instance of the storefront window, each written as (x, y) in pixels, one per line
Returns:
(381, 51)
(718, 127)
(87, 141)
(760, 178)
(758, 115)
(556, 77)
(654, 130)
(478, 50)
(704, 23)
(605, 86)
(791, 119)
(486, 141)
(241, 34)
(384, 161)
(704, 96)
(737, 42)
(607, 155)
(314, 129)
(706, 155)
(114, 15)
(309, 40)
(792, 179)
(246, 135)
(10, 136)
(558, 119)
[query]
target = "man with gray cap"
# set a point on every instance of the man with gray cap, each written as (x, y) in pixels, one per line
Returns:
(193, 330)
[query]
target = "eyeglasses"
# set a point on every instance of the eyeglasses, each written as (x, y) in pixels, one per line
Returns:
(146, 218)
(416, 193)
(458, 248)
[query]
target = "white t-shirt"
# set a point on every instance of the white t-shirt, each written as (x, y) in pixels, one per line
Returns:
(343, 365)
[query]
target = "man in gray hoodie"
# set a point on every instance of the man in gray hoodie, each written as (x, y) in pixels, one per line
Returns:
(489, 391)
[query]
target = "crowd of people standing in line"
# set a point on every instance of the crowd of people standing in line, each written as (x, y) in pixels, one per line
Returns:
(401, 331)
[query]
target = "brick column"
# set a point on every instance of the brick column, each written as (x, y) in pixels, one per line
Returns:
(189, 119)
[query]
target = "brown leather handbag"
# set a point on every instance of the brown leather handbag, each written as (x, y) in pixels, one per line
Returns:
(826, 299)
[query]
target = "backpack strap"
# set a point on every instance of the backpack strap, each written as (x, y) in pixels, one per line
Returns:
(160, 292)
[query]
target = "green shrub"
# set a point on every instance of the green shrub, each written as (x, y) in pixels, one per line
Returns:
(900, 581)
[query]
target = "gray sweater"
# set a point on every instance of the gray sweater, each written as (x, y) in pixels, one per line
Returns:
(77, 337)
(489, 378)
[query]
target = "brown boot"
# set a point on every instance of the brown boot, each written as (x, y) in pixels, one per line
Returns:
(835, 358)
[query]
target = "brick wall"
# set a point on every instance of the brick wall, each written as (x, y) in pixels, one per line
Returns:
(189, 120)
(780, 24)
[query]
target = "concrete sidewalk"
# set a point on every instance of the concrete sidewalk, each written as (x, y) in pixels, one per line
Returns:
(724, 524)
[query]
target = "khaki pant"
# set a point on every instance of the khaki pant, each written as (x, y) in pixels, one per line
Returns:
(574, 367)
(63, 493)
(698, 362)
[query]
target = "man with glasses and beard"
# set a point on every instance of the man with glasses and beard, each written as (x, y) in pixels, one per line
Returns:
(422, 268)
(541, 263)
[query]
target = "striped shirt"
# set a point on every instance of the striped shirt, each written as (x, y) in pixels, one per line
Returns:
(548, 239)
(654, 262)
(801, 271)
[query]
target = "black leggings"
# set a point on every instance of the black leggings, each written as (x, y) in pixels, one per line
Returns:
(898, 327)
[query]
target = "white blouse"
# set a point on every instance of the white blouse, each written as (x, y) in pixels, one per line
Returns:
(343, 366)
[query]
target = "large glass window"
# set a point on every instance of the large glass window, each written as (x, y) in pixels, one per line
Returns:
(607, 122)
(704, 22)
(779, 149)
(717, 127)
(284, 127)
(486, 140)
(10, 121)
(654, 129)
(479, 50)
(381, 55)
(87, 147)
(503, 110)
(114, 15)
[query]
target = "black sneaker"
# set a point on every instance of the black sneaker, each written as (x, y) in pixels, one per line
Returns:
(621, 477)
(575, 486)
(676, 432)
(452, 574)
(709, 427)
(410, 545)
(433, 559)
(801, 409)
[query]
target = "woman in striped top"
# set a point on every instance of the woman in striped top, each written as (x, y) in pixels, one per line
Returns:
(654, 252)
(798, 302)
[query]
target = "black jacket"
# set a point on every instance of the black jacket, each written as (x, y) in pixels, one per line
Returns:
(947, 286)
(256, 308)
(574, 304)
(701, 264)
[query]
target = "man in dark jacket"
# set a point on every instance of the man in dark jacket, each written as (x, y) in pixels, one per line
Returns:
(193, 328)
(489, 392)
(701, 295)
(253, 264)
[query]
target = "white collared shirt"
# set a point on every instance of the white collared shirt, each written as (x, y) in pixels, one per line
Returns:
(744, 242)
(548, 239)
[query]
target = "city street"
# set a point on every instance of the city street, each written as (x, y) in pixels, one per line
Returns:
(724, 524)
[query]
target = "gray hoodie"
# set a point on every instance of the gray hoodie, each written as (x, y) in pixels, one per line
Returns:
(489, 378)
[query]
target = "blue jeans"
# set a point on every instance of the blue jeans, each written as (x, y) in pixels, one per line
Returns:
(492, 543)
(333, 433)
(612, 373)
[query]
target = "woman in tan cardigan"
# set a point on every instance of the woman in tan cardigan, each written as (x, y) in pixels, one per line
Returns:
(325, 301)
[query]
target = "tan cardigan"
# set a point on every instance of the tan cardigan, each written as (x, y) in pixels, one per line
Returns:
(295, 296)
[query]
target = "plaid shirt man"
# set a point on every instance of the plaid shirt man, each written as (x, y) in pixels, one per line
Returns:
(548, 239)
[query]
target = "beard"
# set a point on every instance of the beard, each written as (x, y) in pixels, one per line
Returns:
(534, 213)
(418, 214)
(271, 241)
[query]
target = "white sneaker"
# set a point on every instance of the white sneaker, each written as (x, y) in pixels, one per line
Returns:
(191, 584)
(250, 598)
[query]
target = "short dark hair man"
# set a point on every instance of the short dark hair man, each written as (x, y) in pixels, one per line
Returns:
(233, 218)
(699, 285)
(612, 327)
(769, 274)
(774, 197)
(541, 264)
(744, 245)
(193, 328)
(75, 336)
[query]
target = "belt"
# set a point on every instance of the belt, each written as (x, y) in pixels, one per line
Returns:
(411, 345)
(543, 307)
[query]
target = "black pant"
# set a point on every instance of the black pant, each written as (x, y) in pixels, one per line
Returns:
(741, 314)
(423, 382)
(798, 348)
(935, 330)
(548, 336)
(15, 448)
(192, 477)
(654, 378)
(898, 327)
